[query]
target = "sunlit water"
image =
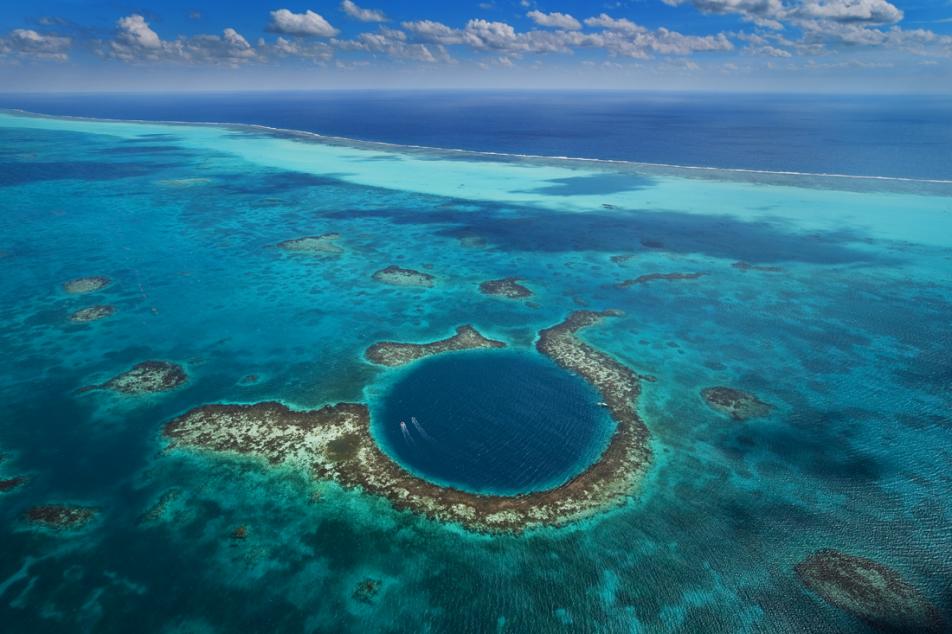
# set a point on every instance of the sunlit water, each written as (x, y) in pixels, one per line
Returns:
(844, 328)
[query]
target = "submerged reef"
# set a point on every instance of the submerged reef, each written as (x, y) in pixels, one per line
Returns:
(651, 277)
(11, 483)
(60, 517)
(870, 591)
(92, 313)
(81, 285)
(747, 266)
(738, 404)
(324, 244)
(159, 510)
(393, 353)
(335, 443)
(507, 287)
(144, 378)
(393, 274)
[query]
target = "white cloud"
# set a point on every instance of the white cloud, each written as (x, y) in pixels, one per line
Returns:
(865, 11)
(554, 20)
(612, 24)
(364, 15)
(304, 24)
(28, 44)
(393, 43)
(136, 41)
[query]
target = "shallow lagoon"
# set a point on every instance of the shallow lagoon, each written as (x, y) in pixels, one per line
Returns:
(839, 319)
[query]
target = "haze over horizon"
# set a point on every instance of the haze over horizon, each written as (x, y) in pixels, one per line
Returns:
(725, 45)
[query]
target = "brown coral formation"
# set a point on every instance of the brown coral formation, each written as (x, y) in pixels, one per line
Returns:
(737, 404)
(508, 287)
(393, 353)
(870, 591)
(334, 443)
(158, 511)
(92, 313)
(747, 266)
(651, 277)
(145, 378)
(81, 285)
(60, 517)
(324, 244)
(397, 276)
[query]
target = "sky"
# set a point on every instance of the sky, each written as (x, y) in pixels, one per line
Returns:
(850, 46)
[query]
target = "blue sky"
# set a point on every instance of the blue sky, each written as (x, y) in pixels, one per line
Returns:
(745, 45)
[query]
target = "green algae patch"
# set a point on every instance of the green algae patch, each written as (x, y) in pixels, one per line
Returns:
(870, 591)
(737, 404)
(335, 443)
(396, 276)
(83, 285)
(394, 353)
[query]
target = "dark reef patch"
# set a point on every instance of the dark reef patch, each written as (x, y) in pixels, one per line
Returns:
(144, 378)
(651, 277)
(716, 236)
(747, 266)
(366, 590)
(60, 517)
(397, 276)
(870, 591)
(23, 173)
(393, 353)
(10, 484)
(506, 287)
(594, 185)
(737, 404)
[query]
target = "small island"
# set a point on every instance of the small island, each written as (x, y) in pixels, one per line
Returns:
(397, 276)
(394, 353)
(60, 517)
(870, 591)
(83, 285)
(335, 443)
(144, 378)
(324, 244)
(737, 404)
(92, 313)
(508, 287)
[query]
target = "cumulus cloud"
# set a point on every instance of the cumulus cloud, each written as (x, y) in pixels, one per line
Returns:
(364, 15)
(555, 20)
(774, 13)
(136, 41)
(609, 23)
(859, 11)
(307, 24)
(28, 44)
(393, 43)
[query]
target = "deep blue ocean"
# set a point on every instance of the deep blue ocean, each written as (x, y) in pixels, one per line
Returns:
(827, 298)
(902, 136)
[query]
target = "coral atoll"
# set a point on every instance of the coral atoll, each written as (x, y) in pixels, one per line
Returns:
(335, 443)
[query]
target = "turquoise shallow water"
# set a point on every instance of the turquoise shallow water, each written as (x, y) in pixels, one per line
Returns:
(842, 323)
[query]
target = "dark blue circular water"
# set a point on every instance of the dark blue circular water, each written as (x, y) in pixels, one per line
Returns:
(497, 422)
